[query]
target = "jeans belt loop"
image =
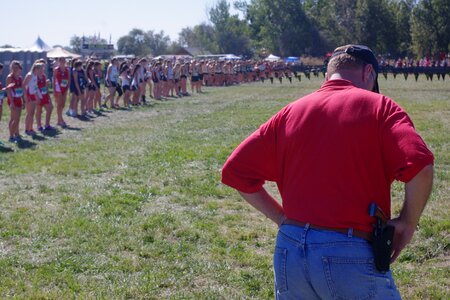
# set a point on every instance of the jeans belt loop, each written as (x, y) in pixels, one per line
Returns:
(350, 232)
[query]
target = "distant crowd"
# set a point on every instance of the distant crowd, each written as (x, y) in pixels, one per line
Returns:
(426, 61)
(122, 83)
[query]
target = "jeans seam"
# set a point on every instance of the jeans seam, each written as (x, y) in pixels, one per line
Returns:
(289, 239)
(282, 286)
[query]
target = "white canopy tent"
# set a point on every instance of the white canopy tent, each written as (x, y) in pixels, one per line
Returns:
(232, 57)
(272, 57)
(60, 52)
(39, 45)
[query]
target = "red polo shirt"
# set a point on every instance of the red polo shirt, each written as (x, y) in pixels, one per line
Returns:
(331, 153)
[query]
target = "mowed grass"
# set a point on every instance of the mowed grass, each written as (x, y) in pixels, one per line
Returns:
(130, 205)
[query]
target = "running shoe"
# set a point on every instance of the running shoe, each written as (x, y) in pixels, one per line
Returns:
(40, 128)
(48, 127)
(12, 140)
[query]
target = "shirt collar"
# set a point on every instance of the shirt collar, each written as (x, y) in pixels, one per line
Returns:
(337, 84)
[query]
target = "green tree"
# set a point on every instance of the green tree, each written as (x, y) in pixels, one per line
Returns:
(158, 42)
(133, 43)
(402, 12)
(141, 43)
(200, 36)
(430, 27)
(283, 27)
(335, 20)
(75, 44)
(231, 34)
(375, 26)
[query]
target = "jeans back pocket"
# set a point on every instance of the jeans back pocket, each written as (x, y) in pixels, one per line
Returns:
(350, 277)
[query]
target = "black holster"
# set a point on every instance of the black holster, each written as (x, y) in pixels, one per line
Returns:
(382, 239)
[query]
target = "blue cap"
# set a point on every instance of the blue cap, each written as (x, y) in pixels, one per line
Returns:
(365, 54)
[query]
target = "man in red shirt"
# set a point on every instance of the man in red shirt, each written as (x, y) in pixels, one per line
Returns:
(332, 153)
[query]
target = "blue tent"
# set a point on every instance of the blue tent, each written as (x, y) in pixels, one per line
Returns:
(292, 59)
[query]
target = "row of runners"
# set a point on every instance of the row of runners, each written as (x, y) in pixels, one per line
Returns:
(125, 85)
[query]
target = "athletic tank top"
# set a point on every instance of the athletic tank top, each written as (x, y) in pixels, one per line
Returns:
(2, 93)
(42, 85)
(98, 78)
(81, 79)
(125, 80)
(17, 91)
(62, 77)
(194, 71)
(169, 73)
(114, 75)
(32, 85)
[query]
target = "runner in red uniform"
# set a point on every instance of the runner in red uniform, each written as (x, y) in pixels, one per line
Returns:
(15, 101)
(2, 94)
(61, 80)
(32, 95)
(45, 102)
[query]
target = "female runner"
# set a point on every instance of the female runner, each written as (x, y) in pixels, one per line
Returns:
(61, 80)
(15, 99)
(45, 102)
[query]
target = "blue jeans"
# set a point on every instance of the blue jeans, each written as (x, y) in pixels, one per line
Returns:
(321, 264)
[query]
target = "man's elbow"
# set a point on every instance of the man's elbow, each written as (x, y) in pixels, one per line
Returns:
(427, 172)
(424, 177)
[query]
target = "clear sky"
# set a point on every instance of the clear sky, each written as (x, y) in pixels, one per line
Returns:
(56, 21)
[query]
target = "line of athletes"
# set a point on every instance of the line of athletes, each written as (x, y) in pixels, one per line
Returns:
(129, 79)
(168, 78)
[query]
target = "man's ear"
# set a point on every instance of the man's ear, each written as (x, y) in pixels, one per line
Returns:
(367, 72)
(326, 76)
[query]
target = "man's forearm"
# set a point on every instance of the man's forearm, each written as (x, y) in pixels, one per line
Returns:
(266, 204)
(417, 192)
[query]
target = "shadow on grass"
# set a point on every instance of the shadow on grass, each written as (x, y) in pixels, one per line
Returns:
(25, 144)
(72, 128)
(5, 149)
(38, 138)
(51, 133)
(84, 119)
(98, 113)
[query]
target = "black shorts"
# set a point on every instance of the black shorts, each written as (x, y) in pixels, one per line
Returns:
(183, 76)
(125, 88)
(92, 87)
(75, 91)
(194, 78)
(119, 90)
(200, 77)
(134, 88)
(111, 84)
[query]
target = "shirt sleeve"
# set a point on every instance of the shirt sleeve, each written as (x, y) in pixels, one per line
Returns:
(254, 160)
(405, 152)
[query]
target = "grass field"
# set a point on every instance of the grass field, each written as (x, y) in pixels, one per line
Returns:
(130, 204)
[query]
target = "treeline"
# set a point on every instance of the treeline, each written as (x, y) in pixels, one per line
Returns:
(397, 28)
